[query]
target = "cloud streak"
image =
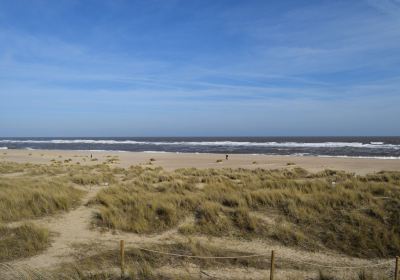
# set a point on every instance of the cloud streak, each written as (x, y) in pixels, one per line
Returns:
(168, 56)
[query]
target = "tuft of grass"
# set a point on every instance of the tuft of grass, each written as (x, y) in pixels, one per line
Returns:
(92, 178)
(22, 241)
(111, 159)
(12, 167)
(123, 209)
(29, 197)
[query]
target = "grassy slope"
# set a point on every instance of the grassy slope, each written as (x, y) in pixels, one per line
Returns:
(29, 197)
(23, 241)
(33, 191)
(38, 190)
(359, 216)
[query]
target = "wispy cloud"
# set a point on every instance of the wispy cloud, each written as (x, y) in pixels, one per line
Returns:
(391, 7)
(254, 58)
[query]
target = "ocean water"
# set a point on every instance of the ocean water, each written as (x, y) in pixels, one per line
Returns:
(371, 147)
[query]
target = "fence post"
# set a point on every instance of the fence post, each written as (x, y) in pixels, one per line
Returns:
(122, 257)
(397, 268)
(272, 269)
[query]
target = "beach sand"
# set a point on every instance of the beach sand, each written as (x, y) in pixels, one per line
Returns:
(171, 161)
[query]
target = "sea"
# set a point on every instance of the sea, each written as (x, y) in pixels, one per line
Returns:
(362, 147)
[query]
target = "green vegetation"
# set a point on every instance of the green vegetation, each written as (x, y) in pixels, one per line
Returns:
(23, 241)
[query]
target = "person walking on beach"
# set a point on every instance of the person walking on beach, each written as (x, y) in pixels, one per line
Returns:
(226, 157)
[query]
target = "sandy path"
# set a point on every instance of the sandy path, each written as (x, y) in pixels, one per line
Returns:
(74, 227)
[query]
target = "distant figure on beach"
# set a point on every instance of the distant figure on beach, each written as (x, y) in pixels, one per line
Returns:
(91, 156)
(226, 157)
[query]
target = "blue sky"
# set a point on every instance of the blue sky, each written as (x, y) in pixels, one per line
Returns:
(199, 68)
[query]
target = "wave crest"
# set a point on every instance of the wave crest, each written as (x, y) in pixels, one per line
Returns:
(372, 145)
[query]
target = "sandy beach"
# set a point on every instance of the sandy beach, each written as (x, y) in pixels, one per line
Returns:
(171, 161)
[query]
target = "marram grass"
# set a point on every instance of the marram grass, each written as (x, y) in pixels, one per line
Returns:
(355, 215)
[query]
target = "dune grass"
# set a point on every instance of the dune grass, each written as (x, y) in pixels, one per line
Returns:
(12, 167)
(141, 264)
(30, 197)
(356, 215)
(30, 191)
(34, 190)
(22, 241)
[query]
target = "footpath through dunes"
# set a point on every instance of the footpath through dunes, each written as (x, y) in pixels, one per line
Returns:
(80, 243)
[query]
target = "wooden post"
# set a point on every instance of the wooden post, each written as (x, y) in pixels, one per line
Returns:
(272, 269)
(396, 269)
(122, 257)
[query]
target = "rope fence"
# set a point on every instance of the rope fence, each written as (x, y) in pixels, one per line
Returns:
(396, 261)
(201, 257)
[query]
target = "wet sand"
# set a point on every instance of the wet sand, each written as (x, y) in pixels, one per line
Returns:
(171, 161)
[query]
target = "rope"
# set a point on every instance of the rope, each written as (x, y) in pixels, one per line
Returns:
(264, 255)
(202, 257)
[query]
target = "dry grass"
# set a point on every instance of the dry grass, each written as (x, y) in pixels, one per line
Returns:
(29, 197)
(23, 241)
(12, 167)
(140, 264)
(145, 265)
(34, 190)
(357, 215)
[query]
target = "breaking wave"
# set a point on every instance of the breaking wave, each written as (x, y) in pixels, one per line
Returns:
(372, 145)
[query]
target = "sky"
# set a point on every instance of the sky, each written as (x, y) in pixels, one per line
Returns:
(199, 68)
